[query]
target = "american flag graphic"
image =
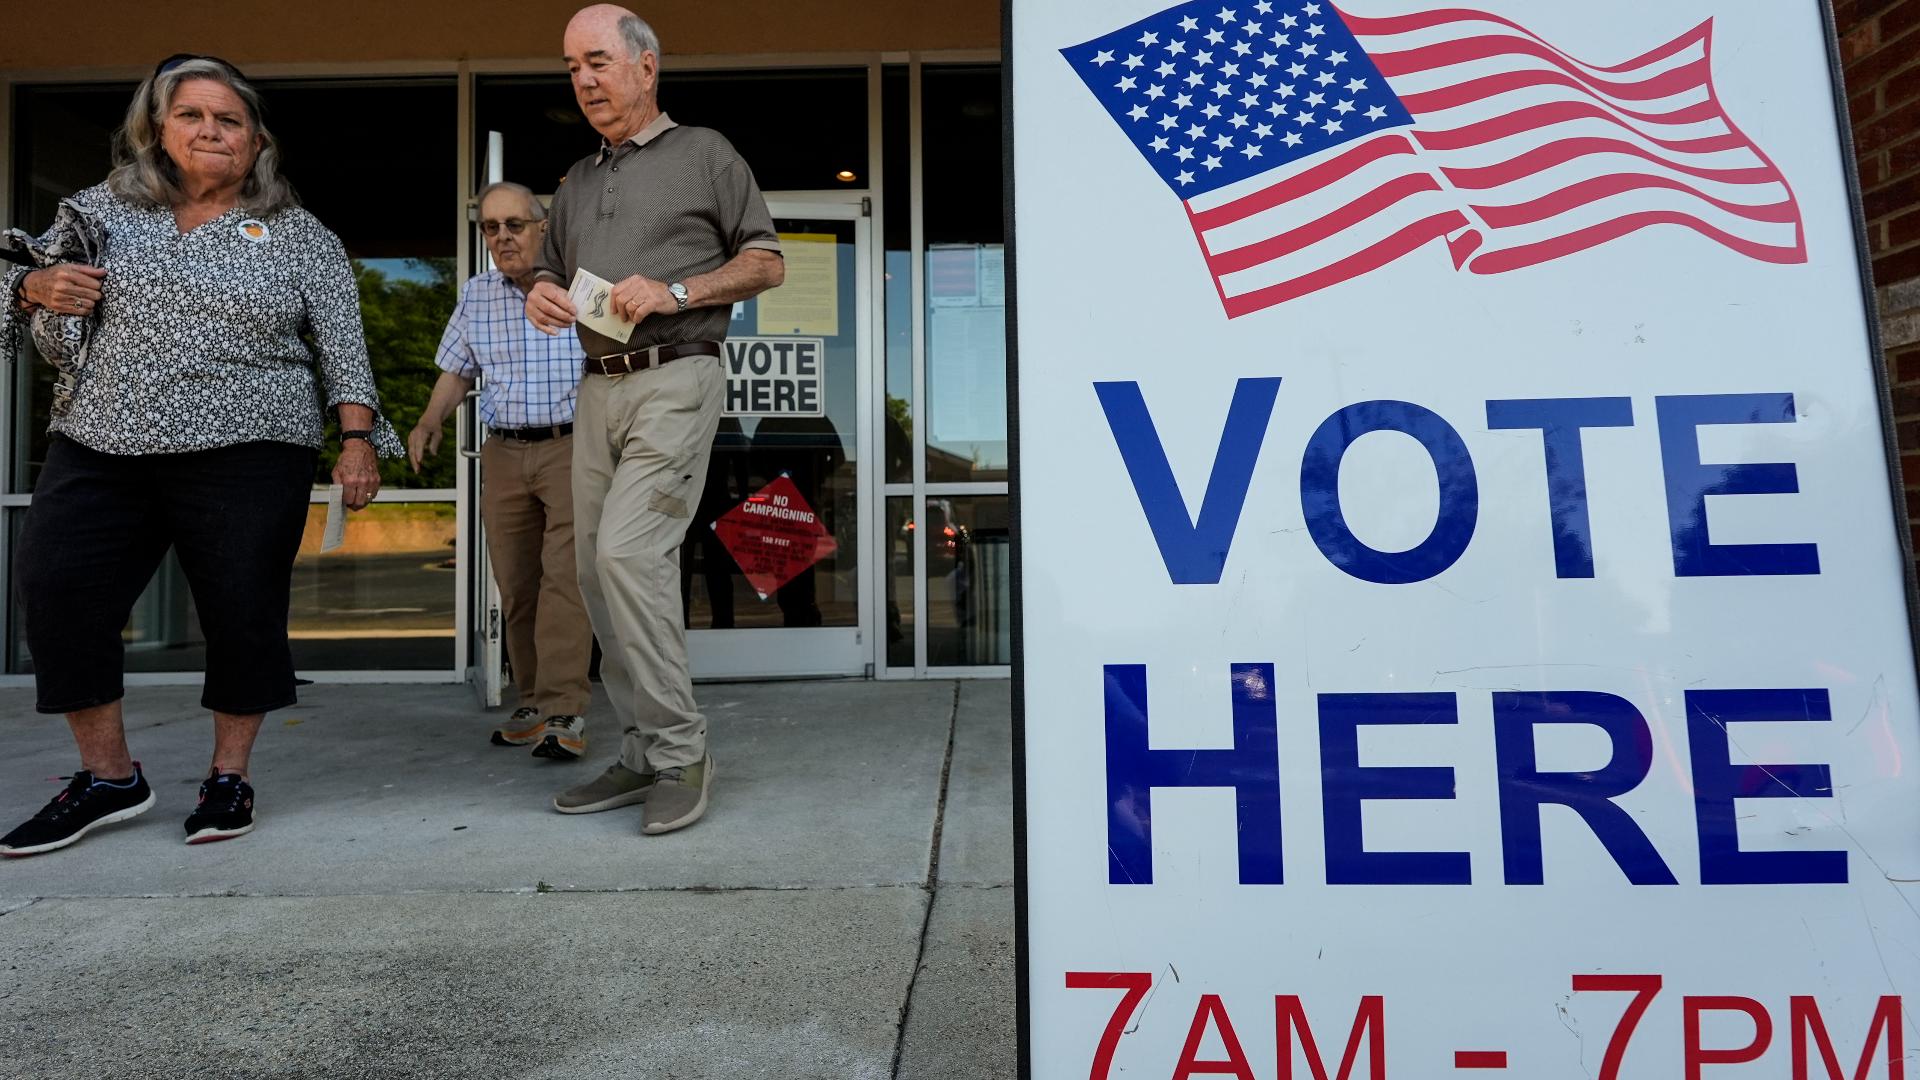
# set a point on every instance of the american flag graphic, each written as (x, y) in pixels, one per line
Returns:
(1311, 146)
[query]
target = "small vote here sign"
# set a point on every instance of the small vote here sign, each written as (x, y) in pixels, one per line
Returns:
(775, 376)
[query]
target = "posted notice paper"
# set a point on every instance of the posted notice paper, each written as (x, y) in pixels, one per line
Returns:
(589, 294)
(809, 302)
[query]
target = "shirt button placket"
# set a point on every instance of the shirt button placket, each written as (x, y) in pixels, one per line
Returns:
(613, 189)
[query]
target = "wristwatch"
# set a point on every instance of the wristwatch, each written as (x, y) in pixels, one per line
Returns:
(18, 292)
(358, 433)
(679, 292)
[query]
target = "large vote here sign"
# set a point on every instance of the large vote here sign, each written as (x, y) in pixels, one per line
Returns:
(1464, 622)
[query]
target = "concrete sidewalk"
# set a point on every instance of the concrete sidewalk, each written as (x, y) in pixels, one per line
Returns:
(410, 905)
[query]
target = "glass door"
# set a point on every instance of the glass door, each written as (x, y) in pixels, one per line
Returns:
(772, 568)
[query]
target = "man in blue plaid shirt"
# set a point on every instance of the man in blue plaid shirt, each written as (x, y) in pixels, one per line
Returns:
(526, 466)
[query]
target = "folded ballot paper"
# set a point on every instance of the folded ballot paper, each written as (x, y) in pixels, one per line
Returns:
(335, 532)
(589, 294)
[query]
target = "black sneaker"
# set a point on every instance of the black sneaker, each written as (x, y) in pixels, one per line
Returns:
(85, 805)
(225, 810)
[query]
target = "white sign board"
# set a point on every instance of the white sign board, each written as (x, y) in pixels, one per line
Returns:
(1465, 625)
(776, 376)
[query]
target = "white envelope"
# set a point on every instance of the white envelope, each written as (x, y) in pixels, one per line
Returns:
(589, 294)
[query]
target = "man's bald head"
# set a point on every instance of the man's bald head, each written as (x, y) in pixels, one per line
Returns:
(597, 14)
(614, 59)
(605, 19)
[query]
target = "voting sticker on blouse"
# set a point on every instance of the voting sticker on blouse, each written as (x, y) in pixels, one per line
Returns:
(592, 298)
(255, 230)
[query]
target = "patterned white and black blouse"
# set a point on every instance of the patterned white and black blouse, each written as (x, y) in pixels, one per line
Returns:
(200, 336)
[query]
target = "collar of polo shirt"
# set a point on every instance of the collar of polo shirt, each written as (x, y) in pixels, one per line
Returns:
(639, 138)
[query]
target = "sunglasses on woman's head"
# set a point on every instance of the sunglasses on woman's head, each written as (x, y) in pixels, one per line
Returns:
(177, 59)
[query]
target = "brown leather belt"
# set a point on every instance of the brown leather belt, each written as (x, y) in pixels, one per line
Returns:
(653, 356)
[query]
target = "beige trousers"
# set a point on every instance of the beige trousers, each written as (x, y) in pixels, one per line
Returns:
(641, 444)
(526, 500)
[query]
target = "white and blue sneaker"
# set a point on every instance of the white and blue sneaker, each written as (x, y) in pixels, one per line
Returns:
(85, 805)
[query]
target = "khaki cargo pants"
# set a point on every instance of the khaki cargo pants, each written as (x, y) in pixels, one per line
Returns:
(640, 449)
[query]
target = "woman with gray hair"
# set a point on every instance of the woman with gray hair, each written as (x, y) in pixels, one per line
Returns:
(225, 323)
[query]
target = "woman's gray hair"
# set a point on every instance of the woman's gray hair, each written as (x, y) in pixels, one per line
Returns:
(539, 213)
(144, 175)
(640, 37)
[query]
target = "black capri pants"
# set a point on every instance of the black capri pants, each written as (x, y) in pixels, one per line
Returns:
(97, 529)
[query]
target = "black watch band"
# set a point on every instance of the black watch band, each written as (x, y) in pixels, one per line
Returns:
(358, 433)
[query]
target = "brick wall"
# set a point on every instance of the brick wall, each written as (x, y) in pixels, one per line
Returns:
(1880, 48)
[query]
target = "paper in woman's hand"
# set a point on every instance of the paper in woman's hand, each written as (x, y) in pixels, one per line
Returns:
(592, 297)
(335, 532)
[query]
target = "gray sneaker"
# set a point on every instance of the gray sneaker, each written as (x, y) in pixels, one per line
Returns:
(679, 797)
(618, 786)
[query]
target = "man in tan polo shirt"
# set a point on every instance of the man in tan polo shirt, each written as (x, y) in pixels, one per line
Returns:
(671, 215)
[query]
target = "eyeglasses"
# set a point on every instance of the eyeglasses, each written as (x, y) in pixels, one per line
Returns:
(177, 59)
(514, 226)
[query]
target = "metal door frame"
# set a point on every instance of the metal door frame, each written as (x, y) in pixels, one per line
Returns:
(477, 626)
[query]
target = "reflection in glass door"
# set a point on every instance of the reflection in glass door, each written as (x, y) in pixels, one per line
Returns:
(771, 569)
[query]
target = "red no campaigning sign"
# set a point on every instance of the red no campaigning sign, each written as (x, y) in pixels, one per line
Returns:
(774, 536)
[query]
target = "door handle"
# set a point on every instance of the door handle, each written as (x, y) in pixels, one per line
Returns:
(468, 419)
